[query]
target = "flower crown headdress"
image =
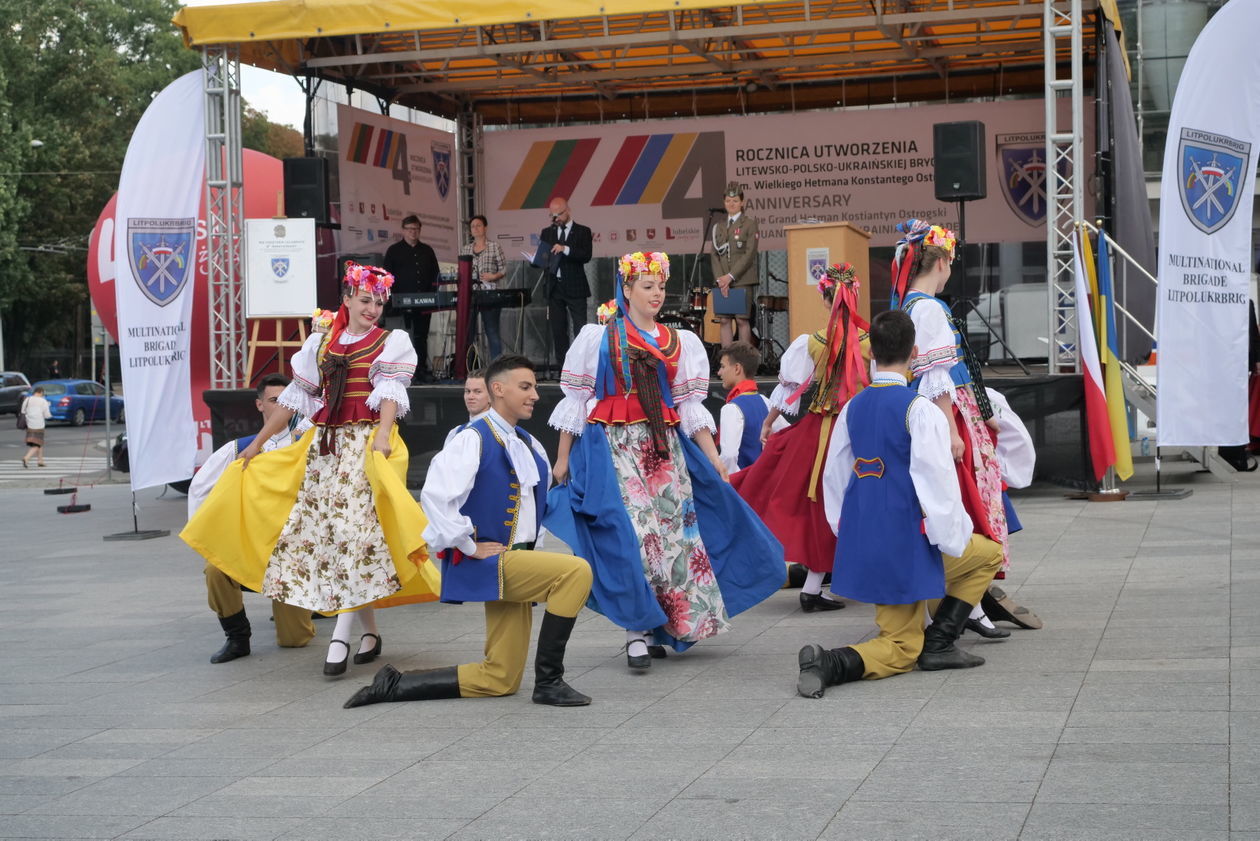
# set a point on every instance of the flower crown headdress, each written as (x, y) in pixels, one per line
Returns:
(643, 262)
(375, 281)
(941, 238)
(837, 273)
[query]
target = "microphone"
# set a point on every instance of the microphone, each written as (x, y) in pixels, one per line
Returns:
(717, 209)
(554, 217)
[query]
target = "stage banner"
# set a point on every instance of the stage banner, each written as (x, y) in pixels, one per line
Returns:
(389, 169)
(653, 184)
(159, 194)
(1205, 235)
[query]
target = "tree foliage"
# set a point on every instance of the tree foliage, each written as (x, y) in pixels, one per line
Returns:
(75, 75)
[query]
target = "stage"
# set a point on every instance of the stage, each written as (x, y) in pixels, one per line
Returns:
(1050, 405)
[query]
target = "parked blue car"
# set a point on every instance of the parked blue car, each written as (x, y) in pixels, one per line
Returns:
(79, 401)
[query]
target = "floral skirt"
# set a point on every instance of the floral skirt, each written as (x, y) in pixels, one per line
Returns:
(657, 495)
(980, 474)
(332, 553)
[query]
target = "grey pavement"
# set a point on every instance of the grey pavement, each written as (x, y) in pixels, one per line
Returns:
(1134, 714)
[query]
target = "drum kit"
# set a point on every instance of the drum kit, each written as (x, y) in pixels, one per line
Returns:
(690, 311)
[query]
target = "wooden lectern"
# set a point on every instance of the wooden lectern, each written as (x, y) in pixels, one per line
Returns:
(844, 243)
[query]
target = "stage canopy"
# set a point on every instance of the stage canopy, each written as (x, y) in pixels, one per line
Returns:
(619, 59)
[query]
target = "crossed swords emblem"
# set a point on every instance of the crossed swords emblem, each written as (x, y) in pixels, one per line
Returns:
(1036, 180)
(161, 267)
(1211, 183)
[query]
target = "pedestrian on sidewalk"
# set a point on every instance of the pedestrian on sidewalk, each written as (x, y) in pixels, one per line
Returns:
(36, 412)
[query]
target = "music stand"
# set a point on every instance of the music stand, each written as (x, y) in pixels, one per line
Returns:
(542, 261)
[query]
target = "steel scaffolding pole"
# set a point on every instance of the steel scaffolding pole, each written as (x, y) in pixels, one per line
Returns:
(1065, 177)
(468, 134)
(224, 195)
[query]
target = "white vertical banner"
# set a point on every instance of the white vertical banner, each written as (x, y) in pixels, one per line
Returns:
(159, 195)
(1205, 235)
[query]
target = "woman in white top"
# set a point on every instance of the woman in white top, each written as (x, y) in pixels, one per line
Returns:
(489, 267)
(328, 524)
(35, 408)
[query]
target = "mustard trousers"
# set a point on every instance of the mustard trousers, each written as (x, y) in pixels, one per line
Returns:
(900, 641)
(563, 582)
(294, 627)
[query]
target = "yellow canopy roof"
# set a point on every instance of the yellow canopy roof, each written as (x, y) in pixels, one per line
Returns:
(613, 59)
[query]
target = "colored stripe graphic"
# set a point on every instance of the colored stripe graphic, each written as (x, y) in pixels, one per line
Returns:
(643, 169)
(549, 174)
(620, 169)
(579, 158)
(360, 143)
(665, 173)
(551, 168)
(386, 139)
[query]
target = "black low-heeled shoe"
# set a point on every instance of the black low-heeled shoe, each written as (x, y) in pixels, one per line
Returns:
(976, 626)
(657, 652)
(638, 662)
(332, 669)
(815, 601)
(368, 656)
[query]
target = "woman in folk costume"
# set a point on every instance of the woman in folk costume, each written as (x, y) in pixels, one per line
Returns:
(784, 485)
(328, 524)
(943, 371)
(675, 552)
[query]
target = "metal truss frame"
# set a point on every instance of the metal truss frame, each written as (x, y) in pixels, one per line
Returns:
(221, 68)
(1065, 177)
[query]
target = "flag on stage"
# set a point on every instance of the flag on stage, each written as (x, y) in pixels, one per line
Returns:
(1102, 450)
(1108, 347)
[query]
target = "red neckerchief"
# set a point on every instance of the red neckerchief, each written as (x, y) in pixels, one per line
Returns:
(740, 389)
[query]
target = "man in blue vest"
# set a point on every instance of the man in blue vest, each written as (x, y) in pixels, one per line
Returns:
(904, 539)
(485, 495)
(739, 424)
(293, 624)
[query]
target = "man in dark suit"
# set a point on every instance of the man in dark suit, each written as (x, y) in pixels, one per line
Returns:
(415, 269)
(567, 288)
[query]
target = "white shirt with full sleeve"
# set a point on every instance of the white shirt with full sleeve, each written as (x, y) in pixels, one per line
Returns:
(1015, 451)
(937, 353)
(390, 373)
(689, 388)
(796, 369)
(203, 482)
(450, 480)
(931, 471)
(36, 410)
(731, 427)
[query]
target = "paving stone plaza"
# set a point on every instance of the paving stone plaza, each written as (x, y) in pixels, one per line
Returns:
(1134, 715)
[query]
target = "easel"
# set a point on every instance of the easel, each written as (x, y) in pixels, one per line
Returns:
(279, 342)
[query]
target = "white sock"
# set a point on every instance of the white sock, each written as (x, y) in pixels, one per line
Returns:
(813, 583)
(977, 612)
(636, 643)
(341, 633)
(367, 624)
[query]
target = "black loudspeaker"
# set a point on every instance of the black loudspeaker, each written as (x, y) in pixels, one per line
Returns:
(958, 161)
(306, 188)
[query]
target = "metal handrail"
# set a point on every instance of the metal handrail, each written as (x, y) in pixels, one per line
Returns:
(1115, 248)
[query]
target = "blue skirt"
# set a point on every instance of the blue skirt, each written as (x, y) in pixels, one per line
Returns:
(587, 513)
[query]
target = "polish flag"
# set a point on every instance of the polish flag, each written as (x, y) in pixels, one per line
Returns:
(1102, 449)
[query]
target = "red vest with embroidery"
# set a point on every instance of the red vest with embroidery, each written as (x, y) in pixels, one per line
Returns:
(358, 357)
(624, 406)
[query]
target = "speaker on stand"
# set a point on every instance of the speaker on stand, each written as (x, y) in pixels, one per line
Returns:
(960, 175)
(306, 189)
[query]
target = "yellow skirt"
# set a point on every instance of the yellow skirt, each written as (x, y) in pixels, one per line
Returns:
(240, 523)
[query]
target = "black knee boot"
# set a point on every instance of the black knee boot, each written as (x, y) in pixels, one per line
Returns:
(939, 651)
(393, 685)
(236, 627)
(821, 668)
(549, 685)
